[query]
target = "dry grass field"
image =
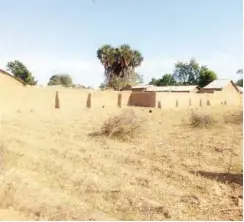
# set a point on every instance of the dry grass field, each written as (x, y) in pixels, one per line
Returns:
(65, 164)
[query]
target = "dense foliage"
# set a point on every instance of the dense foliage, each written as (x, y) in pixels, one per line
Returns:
(19, 70)
(186, 73)
(119, 64)
(61, 79)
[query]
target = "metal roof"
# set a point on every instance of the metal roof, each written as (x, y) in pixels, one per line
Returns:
(217, 84)
(141, 86)
(172, 88)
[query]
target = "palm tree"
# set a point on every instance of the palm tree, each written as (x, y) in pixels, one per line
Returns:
(118, 62)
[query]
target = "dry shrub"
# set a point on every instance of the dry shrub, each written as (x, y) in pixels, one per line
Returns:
(124, 127)
(200, 119)
(234, 117)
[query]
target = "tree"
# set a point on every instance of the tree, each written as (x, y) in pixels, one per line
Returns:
(153, 82)
(206, 76)
(118, 83)
(19, 70)
(191, 73)
(240, 81)
(119, 63)
(187, 73)
(240, 71)
(102, 86)
(61, 79)
(166, 80)
(134, 79)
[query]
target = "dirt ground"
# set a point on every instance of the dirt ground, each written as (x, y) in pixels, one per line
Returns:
(52, 169)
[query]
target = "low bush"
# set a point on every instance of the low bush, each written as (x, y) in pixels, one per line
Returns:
(200, 119)
(234, 117)
(124, 127)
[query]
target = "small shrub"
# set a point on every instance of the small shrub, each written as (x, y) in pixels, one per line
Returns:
(200, 119)
(234, 117)
(124, 127)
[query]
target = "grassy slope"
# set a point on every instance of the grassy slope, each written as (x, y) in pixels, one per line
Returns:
(52, 170)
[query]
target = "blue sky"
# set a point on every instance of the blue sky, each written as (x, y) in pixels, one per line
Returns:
(53, 36)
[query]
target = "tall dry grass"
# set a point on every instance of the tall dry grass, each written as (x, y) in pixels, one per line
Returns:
(51, 169)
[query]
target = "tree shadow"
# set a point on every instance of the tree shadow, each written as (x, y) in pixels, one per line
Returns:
(222, 177)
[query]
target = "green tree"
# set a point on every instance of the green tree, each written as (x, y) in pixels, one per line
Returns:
(166, 80)
(118, 83)
(191, 73)
(54, 80)
(133, 79)
(119, 63)
(206, 76)
(19, 70)
(187, 73)
(61, 79)
(240, 71)
(153, 82)
(240, 81)
(102, 86)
